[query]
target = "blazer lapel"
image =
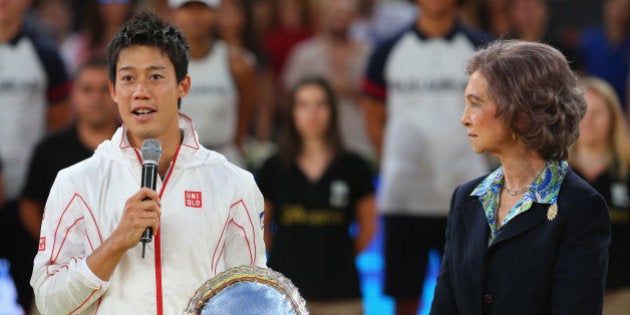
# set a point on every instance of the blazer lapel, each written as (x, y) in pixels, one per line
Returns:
(477, 229)
(523, 222)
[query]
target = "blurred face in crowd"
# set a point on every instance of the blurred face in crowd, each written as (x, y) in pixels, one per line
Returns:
(196, 20)
(437, 8)
(114, 12)
(311, 112)
(617, 12)
(12, 11)
(56, 17)
(90, 97)
(595, 127)
(290, 13)
(528, 15)
(147, 92)
(486, 132)
(230, 17)
(338, 15)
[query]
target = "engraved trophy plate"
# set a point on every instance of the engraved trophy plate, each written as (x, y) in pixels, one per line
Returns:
(247, 290)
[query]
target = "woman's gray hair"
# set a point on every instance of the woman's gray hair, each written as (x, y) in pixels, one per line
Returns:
(536, 93)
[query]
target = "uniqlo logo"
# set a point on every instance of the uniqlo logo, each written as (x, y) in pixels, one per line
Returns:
(42, 243)
(193, 199)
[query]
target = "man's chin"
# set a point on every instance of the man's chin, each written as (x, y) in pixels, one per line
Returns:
(143, 134)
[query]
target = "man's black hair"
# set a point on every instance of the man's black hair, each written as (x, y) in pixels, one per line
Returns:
(145, 28)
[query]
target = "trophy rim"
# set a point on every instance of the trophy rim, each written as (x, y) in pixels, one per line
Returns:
(242, 274)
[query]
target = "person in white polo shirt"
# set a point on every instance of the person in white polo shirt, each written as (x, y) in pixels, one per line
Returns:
(414, 85)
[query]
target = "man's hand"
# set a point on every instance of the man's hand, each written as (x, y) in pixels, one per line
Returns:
(142, 210)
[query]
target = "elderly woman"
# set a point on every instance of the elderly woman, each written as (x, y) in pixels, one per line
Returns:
(532, 237)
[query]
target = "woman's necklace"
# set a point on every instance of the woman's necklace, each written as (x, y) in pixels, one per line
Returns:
(519, 191)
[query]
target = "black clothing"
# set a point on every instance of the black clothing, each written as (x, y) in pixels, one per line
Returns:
(53, 154)
(312, 244)
(616, 194)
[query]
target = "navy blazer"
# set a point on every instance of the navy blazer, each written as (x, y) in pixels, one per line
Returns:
(534, 265)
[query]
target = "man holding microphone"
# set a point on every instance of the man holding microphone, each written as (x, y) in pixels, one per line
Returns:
(205, 213)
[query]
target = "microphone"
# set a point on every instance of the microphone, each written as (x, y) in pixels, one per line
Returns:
(151, 152)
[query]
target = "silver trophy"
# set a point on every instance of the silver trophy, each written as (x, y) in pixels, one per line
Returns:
(247, 290)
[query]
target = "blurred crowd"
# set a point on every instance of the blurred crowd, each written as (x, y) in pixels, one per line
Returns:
(259, 70)
(286, 39)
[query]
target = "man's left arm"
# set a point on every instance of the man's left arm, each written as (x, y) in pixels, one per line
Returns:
(245, 243)
(61, 279)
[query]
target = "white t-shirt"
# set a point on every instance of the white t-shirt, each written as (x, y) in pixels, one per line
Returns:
(32, 76)
(213, 101)
(426, 152)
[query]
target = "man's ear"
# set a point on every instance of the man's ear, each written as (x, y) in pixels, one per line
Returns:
(184, 87)
(112, 91)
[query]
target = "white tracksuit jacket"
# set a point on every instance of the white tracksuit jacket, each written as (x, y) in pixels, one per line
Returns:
(211, 220)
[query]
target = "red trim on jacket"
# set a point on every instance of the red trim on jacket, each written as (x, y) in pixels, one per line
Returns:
(157, 248)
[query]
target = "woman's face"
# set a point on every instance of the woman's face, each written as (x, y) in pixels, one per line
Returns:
(485, 131)
(596, 124)
(311, 112)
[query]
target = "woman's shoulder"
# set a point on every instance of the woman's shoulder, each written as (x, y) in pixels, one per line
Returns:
(573, 185)
(581, 197)
(461, 194)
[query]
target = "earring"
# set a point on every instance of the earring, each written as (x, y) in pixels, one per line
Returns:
(514, 136)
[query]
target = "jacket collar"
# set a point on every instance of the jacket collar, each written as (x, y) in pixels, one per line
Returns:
(544, 190)
(119, 148)
(185, 125)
